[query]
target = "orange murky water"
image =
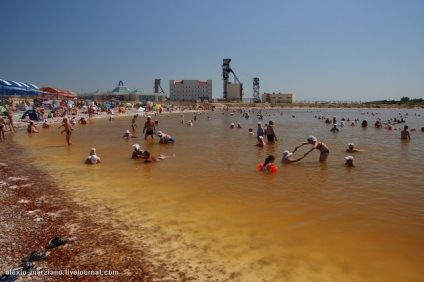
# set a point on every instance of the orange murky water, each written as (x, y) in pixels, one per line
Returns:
(210, 213)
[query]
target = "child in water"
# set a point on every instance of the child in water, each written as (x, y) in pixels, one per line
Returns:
(268, 164)
(261, 143)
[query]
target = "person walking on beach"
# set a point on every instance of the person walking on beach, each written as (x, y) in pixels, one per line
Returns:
(11, 125)
(312, 140)
(270, 134)
(149, 128)
(404, 134)
(2, 128)
(68, 129)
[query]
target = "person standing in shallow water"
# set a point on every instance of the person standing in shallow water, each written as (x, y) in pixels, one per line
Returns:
(149, 128)
(312, 140)
(404, 134)
(270, 134)
(68, 129)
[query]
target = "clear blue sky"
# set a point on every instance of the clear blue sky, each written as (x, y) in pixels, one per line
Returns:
(317, 49)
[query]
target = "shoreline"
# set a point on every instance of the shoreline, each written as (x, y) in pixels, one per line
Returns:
(34, 210)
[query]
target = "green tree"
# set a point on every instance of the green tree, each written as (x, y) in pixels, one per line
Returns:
(405, 99)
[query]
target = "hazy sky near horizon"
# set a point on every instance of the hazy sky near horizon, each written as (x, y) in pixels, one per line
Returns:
(342, 50)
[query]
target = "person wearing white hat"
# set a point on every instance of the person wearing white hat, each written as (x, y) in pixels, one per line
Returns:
(349, 161)
(137, 153)
(351, 148)
(92, 158)
(324, 150)
(165, 138)
(286, 158)
(128, 134)
(261, 143)
(260, 130)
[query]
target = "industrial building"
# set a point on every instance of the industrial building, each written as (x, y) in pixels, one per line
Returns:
(277, 98)
(190, 90)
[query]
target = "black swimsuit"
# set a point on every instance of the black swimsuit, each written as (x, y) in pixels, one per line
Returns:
(319, 148)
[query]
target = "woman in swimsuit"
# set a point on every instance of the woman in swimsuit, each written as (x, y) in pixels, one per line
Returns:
(312, 140)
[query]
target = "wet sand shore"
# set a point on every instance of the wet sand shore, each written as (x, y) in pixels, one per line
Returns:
(34, 209)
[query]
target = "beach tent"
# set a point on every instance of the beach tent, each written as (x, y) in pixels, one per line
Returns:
(33, 115)
(23, 107)
(9, 87)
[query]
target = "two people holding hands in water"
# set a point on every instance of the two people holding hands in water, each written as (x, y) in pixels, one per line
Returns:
(312, 140)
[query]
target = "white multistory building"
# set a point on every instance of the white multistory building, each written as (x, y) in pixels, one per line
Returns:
(190, 90)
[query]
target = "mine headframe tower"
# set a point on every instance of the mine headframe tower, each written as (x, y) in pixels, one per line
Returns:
(256, 89)
(226, 70)
(157, 86)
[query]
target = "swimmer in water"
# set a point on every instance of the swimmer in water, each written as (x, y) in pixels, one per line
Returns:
(128, 134)
(261, 143)
(92, 158)
(286, 158)
(349, 161)
(31, 128)
(46, 124)
(150, 158)
(268, 163)
(351, 148)
(137, 153)
(165, 138)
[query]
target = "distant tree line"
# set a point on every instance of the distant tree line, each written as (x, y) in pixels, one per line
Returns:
(403, 100)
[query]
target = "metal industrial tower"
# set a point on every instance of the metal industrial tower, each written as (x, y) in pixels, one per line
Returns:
(157, 86)
(226, 70)
(256, 89)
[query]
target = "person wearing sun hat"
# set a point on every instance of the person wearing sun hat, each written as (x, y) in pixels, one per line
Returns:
(92, 158)
(286, 158)
(165, 138)
(128, 134)
(137, 153)
(351, 148)
(260, 130)
(349, 161)
(312, 140)
(261, 143)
